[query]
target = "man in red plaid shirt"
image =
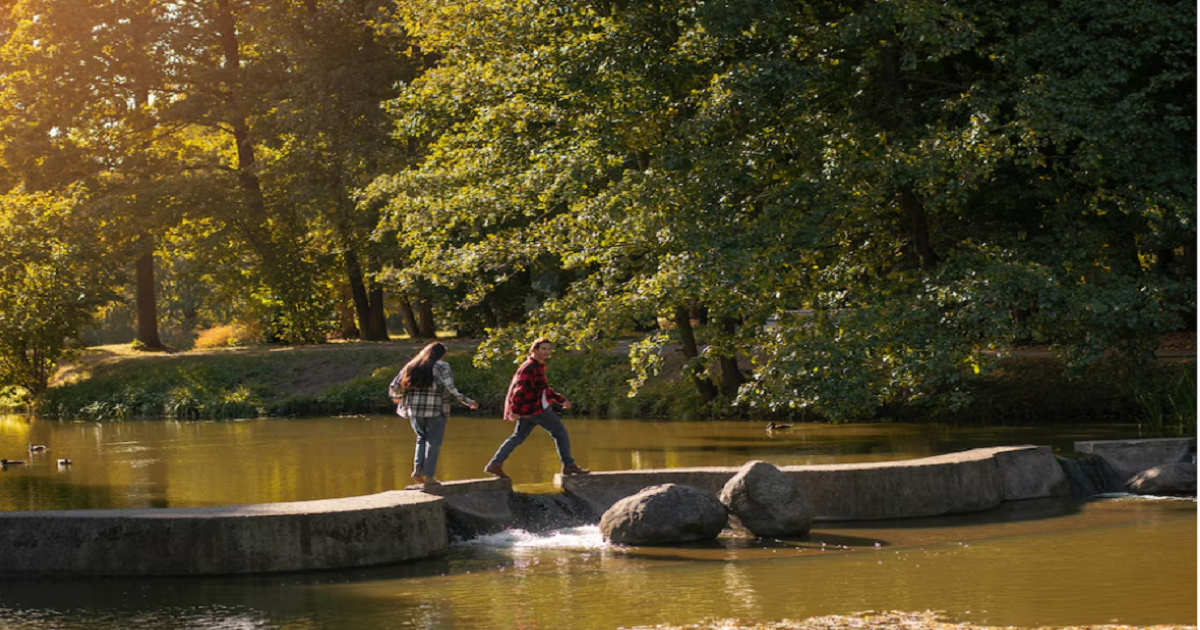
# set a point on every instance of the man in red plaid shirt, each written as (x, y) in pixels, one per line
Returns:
(529, 403)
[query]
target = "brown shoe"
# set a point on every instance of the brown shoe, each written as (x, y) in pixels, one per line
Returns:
(572, 469)
(419, 478)
(495, 469)
(430, 482)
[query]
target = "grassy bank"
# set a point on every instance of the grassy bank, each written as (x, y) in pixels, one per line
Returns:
(113, 383)
(333, 379)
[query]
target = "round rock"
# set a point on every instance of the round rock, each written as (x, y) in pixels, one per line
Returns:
(764, 500)
(1169, 480)
(664, 514)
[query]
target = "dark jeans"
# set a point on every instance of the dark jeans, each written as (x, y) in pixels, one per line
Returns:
(430, 430)
(549, 421)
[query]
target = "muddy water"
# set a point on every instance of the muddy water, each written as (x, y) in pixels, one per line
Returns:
(1117, 559)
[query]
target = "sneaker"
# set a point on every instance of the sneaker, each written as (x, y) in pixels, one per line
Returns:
(495, 469)
(573, 469)
(418, 478)
(430, 482)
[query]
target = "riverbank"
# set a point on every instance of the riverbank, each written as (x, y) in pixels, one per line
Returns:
(881, 621)
(344, 378)
(116, 383)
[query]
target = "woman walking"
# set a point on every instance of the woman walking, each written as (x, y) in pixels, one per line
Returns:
(419, 391)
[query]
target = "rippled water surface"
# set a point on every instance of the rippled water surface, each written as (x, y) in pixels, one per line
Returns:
(1116, 559)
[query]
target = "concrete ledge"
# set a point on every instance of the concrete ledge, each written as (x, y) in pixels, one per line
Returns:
(396, 526)
(601, 489)
(1030, 472)
(476, 506)
(1130, 457)
(969, 481)
(457, 489)
(945, 484)
(305, 535)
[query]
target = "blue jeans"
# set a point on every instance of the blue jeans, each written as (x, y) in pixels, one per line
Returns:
(430, 430)
(549, 421)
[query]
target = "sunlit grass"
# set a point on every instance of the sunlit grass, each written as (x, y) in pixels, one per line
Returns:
(115, 383)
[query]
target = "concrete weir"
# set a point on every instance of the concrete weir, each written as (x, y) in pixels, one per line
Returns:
(272, 537)
(969, 481)
(397, 526)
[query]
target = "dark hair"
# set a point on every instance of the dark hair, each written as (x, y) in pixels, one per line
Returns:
(539, 341)
(419, 371)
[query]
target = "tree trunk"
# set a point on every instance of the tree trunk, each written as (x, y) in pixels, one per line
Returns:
(269, 234)
(918, 230)
(410, 317)
(147, 312)
(425, 325)
(358, 291)
(376, 317)
(890, 116)
(345, 314)
(252, 226)
(687, 338)
(377, 329)
(731, 375)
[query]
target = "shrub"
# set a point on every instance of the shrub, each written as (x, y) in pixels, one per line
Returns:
(225, 336)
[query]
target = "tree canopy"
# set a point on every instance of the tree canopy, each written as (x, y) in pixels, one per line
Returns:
(898, 187)
(825, 206)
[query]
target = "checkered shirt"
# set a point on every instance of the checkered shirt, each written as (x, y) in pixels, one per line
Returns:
(423, 402)
(525, 392)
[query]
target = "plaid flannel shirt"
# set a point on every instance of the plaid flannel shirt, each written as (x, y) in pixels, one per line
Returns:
(422, 402)
(525, 391)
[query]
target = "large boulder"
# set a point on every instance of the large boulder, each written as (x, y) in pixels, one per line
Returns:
(1168, 480)
(664, 514)
(764, 500)
(1129, 457)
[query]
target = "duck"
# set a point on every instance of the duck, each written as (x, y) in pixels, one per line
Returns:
(771, 426)
(38, 448)
(11, 462)
(64, 462)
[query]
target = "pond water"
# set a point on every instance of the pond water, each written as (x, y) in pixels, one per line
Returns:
(1053, 562)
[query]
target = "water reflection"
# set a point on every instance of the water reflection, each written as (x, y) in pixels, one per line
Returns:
(1030, 563)
(193, 464)
(1124, 560)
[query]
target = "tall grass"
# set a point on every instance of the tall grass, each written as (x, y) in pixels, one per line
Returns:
(1168, 411)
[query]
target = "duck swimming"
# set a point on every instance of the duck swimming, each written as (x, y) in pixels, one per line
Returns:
(40, 448)
(771, 426)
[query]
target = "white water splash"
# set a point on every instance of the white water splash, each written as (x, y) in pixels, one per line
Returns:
(587, 537)
(1129, 496)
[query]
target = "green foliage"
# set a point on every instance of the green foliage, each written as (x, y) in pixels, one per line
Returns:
(899, 188)
(929, 180)
(228, 138)
(51, 279)
(1042, 390)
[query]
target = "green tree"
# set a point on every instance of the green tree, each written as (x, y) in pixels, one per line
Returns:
(922, 181)
(52, 278)
(250, 122)
(332, 136)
